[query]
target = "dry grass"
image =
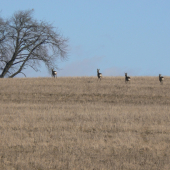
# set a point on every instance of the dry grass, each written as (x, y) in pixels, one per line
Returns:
(81, 123)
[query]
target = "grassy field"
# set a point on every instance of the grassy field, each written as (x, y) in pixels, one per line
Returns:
(84, 124)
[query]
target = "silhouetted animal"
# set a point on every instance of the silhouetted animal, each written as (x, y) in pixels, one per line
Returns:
(99, 75)
(161, 78)
(54, 73)
(126, 78)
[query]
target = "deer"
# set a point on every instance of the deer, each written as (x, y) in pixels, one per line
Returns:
(54, 73)
(99, 75)
(161, 79)
(126, 78)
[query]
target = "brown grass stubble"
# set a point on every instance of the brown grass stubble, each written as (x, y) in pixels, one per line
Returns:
(82, 123)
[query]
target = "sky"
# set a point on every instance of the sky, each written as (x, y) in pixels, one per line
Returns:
(115, 36)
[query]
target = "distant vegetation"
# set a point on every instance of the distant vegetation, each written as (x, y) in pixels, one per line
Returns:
(82, 123)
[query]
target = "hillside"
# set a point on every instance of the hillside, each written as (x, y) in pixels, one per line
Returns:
(82, 123)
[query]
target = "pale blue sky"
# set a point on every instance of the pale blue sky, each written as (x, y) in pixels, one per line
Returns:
(116, 36)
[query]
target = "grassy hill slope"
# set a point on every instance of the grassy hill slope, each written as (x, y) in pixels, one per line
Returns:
(82, 123)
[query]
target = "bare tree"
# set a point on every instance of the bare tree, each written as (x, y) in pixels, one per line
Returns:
(3, 43)
(2, 29)
(25, 42)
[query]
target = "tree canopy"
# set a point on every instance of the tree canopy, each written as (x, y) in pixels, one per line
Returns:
(26, 42)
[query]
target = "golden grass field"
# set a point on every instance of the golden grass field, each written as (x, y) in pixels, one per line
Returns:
(83, 124)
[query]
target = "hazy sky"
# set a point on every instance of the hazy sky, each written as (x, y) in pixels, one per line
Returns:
(116, 36)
